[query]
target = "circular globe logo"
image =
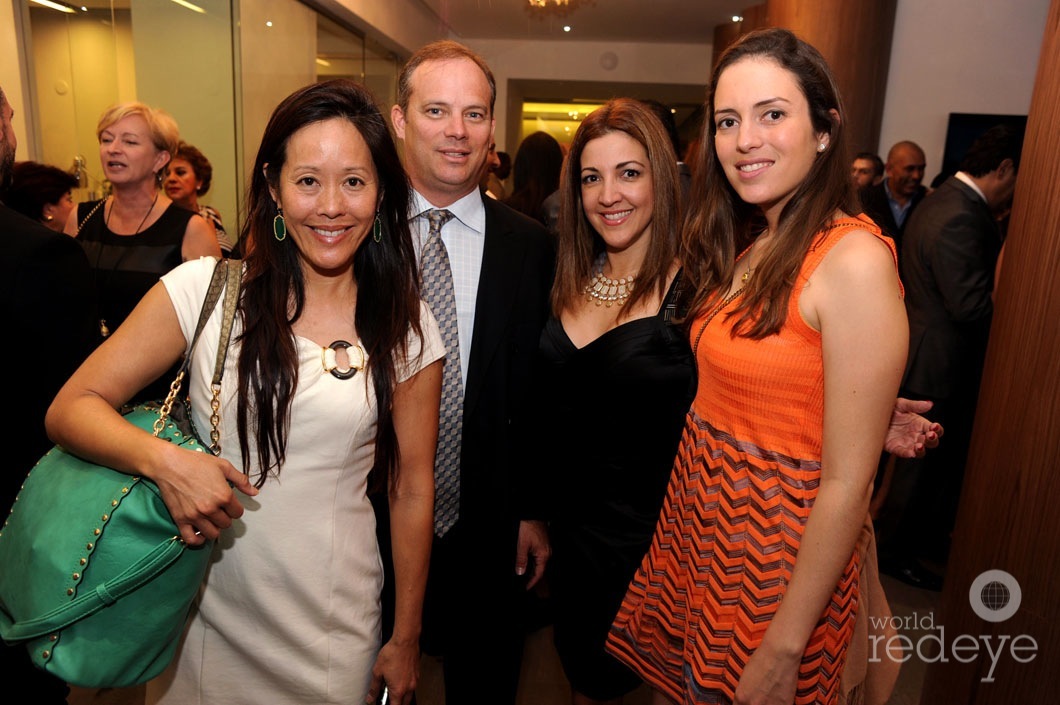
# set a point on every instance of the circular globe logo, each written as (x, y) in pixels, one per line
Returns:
(995, 595)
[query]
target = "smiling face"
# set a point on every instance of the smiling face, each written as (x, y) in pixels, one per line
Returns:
(765, 141)
(181, 184)
(127, 152)
(905, 170)
(616, 190)
(329, 190)
(447, 129)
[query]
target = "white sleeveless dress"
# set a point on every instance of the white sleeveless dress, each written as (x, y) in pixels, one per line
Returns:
(289, 612)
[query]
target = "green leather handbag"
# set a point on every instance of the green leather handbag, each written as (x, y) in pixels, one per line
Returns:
(94, 578)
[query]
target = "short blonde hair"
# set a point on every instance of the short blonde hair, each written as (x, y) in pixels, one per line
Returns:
(163, 128)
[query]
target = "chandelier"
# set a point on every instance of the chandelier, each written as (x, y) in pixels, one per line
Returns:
(561, 8)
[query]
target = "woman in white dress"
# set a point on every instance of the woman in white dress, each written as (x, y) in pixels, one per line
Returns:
(332, 384)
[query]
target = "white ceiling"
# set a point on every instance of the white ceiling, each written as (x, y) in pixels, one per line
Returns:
(677, 21)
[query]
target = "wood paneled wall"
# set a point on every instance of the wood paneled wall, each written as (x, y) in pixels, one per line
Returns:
(854, 36)
(1011, 491)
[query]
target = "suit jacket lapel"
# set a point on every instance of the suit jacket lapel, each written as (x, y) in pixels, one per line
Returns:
(498, 285)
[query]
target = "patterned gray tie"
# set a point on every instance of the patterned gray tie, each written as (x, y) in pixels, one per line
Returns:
(437, 280)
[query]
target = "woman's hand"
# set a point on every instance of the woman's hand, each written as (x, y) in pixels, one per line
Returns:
(199, 492)
(770, 678)
(397, 668)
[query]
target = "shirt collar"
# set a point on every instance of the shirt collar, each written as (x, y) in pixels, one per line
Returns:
(967, 179)
(469, 210)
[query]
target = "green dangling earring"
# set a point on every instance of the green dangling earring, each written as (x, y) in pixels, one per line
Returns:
(279, 226)
(377, 229)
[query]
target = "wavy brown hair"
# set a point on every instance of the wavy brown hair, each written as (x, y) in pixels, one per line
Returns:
(579, 244)
(273, 295)
(720, 224)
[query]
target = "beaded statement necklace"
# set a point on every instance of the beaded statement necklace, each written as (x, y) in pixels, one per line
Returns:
(604, 290)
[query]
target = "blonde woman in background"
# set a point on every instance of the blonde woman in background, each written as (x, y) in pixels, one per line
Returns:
(135, 235)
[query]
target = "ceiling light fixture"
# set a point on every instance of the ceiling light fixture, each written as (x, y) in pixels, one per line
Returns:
(560, 8)
(193, 8)
(55, 6)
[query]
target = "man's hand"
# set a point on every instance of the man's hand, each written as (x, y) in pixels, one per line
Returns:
(910, 434)
(533, 542)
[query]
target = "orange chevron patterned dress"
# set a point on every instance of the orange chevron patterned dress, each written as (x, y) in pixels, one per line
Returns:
(743, 484)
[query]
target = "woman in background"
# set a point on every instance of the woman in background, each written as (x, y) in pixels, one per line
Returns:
(41, 192)
(188, 176)
(535, 174)
(136, 234)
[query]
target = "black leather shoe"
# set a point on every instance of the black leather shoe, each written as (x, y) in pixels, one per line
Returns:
(915, 574)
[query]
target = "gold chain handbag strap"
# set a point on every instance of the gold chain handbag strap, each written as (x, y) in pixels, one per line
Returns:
(235, 277)
(227, 277)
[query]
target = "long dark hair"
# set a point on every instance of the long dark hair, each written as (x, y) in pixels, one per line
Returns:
(720, 224)
(535, 174)
(273, 297)
(579, 244)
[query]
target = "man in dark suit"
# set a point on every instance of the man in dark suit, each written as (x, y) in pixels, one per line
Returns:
(46, 300)
(502, 267)
(949, 256)
(891, 202)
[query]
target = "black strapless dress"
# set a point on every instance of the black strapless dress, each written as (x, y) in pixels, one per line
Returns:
(611, 418)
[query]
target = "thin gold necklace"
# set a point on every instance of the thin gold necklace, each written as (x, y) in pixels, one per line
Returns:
(747, 274)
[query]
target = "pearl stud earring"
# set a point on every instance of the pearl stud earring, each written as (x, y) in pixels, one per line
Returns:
(821, 147)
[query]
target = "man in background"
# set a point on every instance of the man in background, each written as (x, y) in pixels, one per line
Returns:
(949, 259)
(866, 170)
(47, 303)
(893, 200)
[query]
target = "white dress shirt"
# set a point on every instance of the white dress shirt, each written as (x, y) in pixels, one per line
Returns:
(465, 238)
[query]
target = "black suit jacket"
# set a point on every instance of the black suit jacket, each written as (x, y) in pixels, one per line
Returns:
(510, 311)
(47, 305)
(47, 301)
(950, 251)
(472, 590)
(876, 205)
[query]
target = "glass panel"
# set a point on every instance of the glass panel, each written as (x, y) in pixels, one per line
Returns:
(77, 74)
(183, 56)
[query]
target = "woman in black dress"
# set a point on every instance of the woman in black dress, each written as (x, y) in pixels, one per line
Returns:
(136, 234)
(616, 379)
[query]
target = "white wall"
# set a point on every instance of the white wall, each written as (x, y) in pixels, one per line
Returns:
(958, 56)
(589, 61)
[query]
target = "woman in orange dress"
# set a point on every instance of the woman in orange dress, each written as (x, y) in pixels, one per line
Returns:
(750, 590)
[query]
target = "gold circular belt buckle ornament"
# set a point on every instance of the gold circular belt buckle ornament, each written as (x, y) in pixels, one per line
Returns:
(329, 359)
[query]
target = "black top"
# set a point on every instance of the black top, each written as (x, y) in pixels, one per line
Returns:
(125, 267)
